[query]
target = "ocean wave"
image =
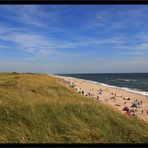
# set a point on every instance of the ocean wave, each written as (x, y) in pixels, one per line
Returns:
(127, 80)
(135, 91)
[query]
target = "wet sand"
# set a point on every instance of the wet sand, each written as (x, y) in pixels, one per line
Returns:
(115, 97)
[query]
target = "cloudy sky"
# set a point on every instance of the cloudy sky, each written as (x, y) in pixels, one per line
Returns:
(74, 38)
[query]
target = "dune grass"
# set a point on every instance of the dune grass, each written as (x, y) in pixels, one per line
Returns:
(36, 108)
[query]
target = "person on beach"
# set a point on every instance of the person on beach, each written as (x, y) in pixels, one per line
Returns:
(82, 92)
(141, 102)
(118, 105)
(100, 93)
(128, 99)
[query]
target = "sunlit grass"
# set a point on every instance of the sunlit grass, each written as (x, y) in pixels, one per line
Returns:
(41, 109)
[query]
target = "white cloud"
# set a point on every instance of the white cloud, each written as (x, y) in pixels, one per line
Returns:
(34, 37)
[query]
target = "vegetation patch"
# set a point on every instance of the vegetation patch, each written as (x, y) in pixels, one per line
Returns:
(36, 108)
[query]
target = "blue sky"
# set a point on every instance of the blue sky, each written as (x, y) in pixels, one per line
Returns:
(74, 38)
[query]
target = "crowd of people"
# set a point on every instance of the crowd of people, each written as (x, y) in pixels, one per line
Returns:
(79, 90)
(131, 107)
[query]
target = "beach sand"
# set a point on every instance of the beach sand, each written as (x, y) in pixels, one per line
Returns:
(115, 97)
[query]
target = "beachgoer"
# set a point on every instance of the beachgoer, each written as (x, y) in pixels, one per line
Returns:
(118, 105)
(128, 99)
(82, 92)
(100, 93)
(142, 111)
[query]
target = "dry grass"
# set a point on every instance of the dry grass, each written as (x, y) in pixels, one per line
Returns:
(36, 108)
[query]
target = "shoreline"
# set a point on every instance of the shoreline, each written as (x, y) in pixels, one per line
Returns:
(117, 97)
(143, 93)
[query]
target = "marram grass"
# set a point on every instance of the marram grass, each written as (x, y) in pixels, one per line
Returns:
(36, 108)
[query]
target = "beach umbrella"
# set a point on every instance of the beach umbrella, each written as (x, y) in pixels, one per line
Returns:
(126, 109)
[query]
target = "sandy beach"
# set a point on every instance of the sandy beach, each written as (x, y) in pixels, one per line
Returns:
(129, 103)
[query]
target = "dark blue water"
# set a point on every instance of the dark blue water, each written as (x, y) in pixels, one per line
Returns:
(134, 81)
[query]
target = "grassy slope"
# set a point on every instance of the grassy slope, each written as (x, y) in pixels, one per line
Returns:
(40, 109)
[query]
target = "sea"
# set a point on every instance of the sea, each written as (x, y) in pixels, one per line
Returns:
(133, 82)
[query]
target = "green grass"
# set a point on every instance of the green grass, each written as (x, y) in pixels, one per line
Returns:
(36, 108)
